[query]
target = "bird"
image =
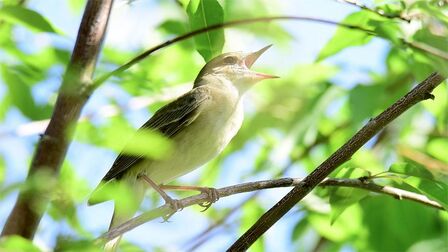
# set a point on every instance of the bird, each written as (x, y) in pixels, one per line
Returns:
(199, 123)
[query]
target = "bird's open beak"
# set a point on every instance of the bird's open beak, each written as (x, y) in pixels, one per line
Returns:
(250, 59)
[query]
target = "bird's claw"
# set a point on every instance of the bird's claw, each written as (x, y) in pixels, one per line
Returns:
(175, 205)
(212, 197)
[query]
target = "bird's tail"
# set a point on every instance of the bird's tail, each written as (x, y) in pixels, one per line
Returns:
(117, 219)
(124, 210)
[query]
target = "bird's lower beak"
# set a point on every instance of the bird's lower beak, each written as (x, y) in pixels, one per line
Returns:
(250, 60)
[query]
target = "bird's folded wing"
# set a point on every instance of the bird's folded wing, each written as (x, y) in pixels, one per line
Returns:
(169, 120)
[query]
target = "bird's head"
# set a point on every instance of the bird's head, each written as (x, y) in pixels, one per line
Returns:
(235, 66)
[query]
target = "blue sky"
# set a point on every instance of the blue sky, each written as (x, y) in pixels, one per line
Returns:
(127, 32)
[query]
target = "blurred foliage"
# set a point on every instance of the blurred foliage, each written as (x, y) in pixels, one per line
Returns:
(292, 124)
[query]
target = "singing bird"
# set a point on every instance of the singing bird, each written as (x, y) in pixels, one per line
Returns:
(199, 123)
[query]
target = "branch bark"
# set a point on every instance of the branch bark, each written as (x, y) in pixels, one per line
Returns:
(421, 92)
(53, 144)
(166, 210)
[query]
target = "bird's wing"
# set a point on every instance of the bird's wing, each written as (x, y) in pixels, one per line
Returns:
(169, 120)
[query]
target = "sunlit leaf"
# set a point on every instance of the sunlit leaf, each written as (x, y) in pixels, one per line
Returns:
(203, 13)
(348, 225)
(422, 180)
(144, 143)
(172, 26)
(365, 100)
(26, 17)
(15, 243)
(389, 30)
(251, 212)
(2, 170)
(19, 92)
(345, 37)
(343, 197)
(299, 229)
(411, 170)
(391, 7)
(438, 148)
(72, 244)
(399, 217)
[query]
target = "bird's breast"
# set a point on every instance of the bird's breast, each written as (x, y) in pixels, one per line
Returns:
(218, 122)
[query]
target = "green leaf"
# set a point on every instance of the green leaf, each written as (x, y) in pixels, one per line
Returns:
(299, 229)
(5, 104)
(19, 92)
(144, 143)
(2, 170)
(389, 30)
(17, 244)
(204, 13)
(251, 212)
(423, 181)
(343, 197)
(365, 100)
(69, 191)
(171, 26)
(345, 37)
(27, 18)
(393, 225)
(411, 170)
(438, 148)
(348, 225)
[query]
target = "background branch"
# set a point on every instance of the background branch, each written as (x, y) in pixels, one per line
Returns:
(378, 12)
(38, 126)
(53, 144)
(421, 92)
(193, 33)
(165, 210)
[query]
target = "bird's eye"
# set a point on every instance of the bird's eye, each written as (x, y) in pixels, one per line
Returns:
(230, 60)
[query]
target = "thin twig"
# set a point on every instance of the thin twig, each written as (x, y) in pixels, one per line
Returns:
(378, 12)
(165, 210)
(427, 48)
(421, 92)
(191, 34)
(38, 126)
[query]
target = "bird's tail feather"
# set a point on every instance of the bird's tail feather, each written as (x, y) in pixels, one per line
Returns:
(112, 245)
(124, 211)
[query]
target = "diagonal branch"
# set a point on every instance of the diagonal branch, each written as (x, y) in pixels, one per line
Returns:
(198, 239)
(52, 147)
(421, 92)
(165, 210)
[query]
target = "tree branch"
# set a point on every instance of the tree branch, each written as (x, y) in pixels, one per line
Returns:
(191, 34)
(198, 239)
(165, 210)
(378, 12)
(38, 126)
(73, 94)
(421, 92)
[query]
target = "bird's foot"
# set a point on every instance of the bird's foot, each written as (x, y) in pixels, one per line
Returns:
(175, 205)
(212, 197)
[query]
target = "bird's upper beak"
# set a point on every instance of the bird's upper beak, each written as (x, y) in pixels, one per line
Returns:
(250, 59)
